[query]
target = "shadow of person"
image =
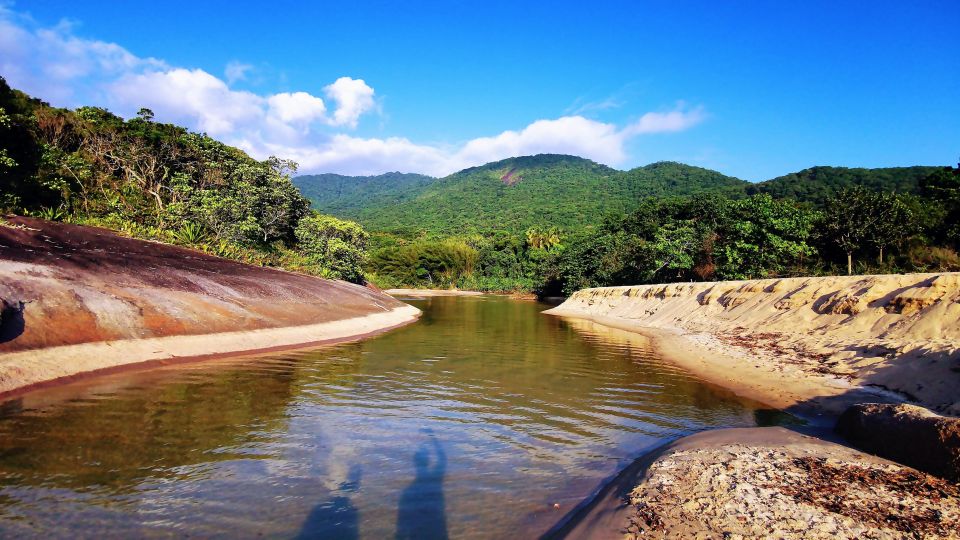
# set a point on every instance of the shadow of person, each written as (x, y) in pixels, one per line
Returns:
(336, 518)
(11, 320)
(422, 512)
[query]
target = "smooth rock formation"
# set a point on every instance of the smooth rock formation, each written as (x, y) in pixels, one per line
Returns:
(78, 299)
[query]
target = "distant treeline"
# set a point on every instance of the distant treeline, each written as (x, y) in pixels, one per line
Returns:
(706, 237)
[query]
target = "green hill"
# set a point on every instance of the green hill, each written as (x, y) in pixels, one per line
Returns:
(513, 194)
(559, 190)
(816, 184)
(347, 195)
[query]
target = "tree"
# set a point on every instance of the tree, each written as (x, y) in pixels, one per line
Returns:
(761, 236)
(336, 248)
(896, 221)
(145, 114)
(851, 219)
(941, 190)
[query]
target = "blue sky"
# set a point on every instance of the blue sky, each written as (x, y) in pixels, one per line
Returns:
(753, 89)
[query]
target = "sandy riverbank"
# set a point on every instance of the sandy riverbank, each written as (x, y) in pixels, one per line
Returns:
(763, 483)
(78, 300)
(813, 345)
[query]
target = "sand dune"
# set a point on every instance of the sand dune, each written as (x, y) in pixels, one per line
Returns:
(822, 341)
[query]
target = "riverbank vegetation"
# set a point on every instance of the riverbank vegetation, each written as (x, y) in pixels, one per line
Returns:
(161, 182)
(849, 227)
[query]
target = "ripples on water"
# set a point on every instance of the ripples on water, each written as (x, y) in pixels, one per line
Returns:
(473, 422)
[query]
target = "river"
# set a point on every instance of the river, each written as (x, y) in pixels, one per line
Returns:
(484, 419)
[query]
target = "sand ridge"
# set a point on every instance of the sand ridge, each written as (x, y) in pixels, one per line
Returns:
(818, 342)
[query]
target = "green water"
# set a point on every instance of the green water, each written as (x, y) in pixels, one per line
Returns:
(472, 422)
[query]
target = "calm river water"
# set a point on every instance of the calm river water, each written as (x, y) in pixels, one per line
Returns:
(473, 422)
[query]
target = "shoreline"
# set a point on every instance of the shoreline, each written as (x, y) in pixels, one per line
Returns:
(696, 470)
(83, 300)
(24, 371)
(812, 346)
(818, 400)
(770, 341)
(427, 293)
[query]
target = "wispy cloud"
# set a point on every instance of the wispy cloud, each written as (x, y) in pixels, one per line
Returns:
(679, 119)
(236, 71)
(583, 107)
(55, 64)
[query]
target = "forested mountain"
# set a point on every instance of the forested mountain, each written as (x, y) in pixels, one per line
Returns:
(347, 195)
(512, 195)
(564, 191)
(817, 184)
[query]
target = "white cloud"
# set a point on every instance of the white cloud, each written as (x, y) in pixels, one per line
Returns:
(236, 71)
(566, 135)
(353, 98)
(580, 106)
(56, 65)
(298, 107)
(665, 122)
(599, 141)
(186, 96)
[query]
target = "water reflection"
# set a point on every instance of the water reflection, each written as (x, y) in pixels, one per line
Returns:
(470, 424)
(422, 513)
(338, 518)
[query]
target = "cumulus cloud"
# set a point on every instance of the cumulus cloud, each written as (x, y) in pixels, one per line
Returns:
(566, 135)
(599, 141)
(353, 96)
(56, 65)
(186, 96)
(298, 107)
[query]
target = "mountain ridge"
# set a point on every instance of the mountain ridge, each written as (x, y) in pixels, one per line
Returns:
(561, 190)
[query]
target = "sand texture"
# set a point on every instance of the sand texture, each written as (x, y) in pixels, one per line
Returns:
(768, 483)
(819, 342)
(79, 299)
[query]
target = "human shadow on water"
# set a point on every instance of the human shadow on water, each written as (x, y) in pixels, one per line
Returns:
(336, 518)
(422, 511)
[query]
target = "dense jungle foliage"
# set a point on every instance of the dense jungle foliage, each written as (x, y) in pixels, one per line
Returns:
(341, 195)
(817, 185)
(553, 224)
(161, 182)
(704, 237)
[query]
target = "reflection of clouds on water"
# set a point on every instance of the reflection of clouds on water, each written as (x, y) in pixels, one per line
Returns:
(337, 517)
